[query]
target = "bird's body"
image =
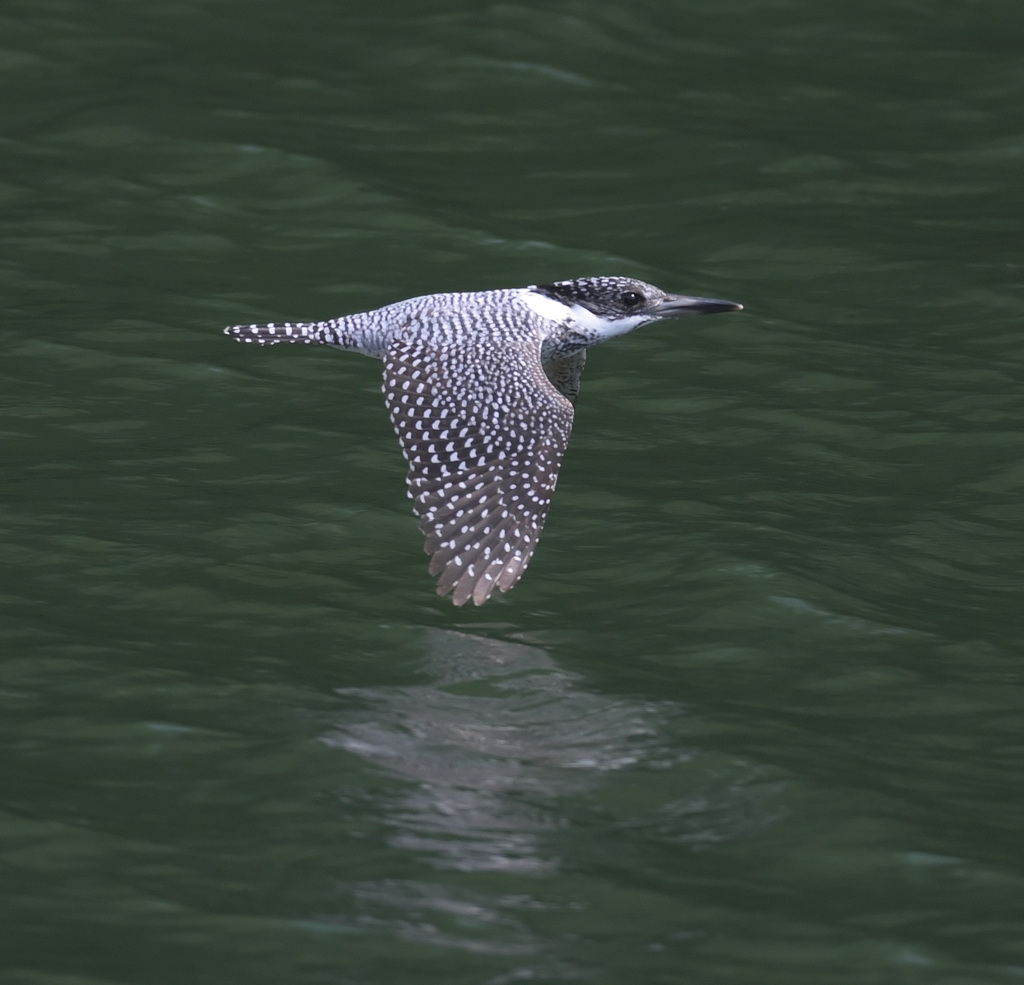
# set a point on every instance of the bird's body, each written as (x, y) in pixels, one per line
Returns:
(480, 387)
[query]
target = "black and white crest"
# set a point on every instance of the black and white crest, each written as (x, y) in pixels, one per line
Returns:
(610, 297)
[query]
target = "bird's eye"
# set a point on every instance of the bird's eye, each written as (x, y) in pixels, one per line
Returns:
(632, 299)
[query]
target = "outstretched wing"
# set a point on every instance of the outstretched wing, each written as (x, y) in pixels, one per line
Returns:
(483, 431)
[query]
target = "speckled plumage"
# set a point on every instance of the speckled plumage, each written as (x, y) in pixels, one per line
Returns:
(480, 388)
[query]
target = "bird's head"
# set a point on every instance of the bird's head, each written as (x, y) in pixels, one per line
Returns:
(608, 306)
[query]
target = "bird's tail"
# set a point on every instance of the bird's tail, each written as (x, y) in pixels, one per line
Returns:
(312, 333)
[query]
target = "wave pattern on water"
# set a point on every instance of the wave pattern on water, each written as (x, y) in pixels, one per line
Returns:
(755, 714)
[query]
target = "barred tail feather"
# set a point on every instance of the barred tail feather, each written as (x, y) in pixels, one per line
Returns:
(312, 333)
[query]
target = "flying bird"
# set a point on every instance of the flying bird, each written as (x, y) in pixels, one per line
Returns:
(480, 387)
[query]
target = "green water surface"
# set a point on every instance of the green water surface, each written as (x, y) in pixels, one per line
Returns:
(756, 712)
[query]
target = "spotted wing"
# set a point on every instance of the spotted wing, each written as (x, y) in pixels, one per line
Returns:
(484, 433)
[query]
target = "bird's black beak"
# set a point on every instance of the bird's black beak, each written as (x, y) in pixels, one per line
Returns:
(676, 305)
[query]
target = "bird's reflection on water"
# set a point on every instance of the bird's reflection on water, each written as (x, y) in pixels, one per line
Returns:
(500, 737)
(499, 732)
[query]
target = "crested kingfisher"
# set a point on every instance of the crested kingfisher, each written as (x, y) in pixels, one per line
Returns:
(480, 387)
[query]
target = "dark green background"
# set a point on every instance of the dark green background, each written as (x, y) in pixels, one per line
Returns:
(755, 712)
